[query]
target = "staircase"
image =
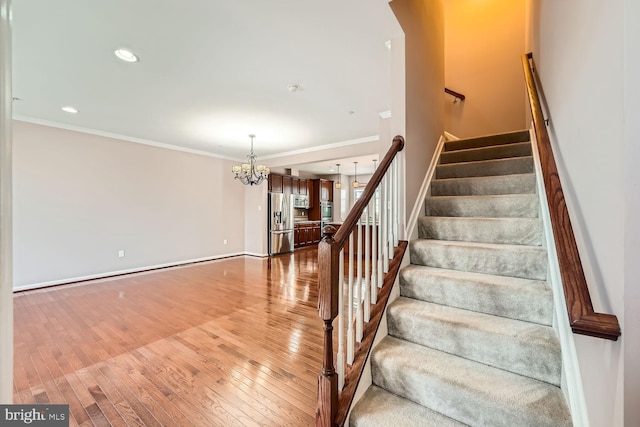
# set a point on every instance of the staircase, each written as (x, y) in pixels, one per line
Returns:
(470, 339)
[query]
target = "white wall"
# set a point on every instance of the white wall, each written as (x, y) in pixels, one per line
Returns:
(255, 220)
(578, 47)
(80, 198)
(631, 326)
(483, 45)
(423, 25)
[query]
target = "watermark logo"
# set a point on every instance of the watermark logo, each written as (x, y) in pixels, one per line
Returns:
(34, 415)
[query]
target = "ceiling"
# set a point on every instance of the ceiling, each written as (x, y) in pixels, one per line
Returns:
(210, 71)
(347, 168)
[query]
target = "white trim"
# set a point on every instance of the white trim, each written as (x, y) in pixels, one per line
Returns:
(572, 380)
(256, 254)
(120, 137)
(372, 138)
(418, 207)
(6, 228)
(149, 268)
(450, 137)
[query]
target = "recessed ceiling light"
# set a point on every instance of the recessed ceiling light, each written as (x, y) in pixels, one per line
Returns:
(70, 109)
(126, 55)
(293, 87)
(351, 112)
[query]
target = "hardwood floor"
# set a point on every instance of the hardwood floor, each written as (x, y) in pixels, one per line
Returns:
(234, 342)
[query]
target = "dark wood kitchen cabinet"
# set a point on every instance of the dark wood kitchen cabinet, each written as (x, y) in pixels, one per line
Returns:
(302, 187)
(322, 191)
(275, 183)
(287, 184)
(316, 233)
(306, 234)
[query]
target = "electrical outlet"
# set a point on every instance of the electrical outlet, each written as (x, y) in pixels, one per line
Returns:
(121, 253)
(224, 241)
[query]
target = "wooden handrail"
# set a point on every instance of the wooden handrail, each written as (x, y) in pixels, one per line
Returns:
(455, 94)
(582, 318)
(356, 212)
(328, 281)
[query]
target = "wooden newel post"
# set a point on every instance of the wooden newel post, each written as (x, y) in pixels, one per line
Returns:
(328, 269)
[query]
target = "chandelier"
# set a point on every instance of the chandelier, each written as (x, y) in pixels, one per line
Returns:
(250, 173)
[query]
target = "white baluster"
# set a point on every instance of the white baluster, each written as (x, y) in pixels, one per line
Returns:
(358, 287)
(392, 189)
(374, 250)
(385, 222)
(340, 356)
(367, 266)
(396, 202)
(350, 319)
(380, 267)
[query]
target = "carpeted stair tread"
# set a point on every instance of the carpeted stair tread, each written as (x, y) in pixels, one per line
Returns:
(487, 140)
(527, 262)
(486, 185)
(485, 153)
(470, 392)
(508, 166)
(512, 231)
(523, 299)
(520, 347)
(379, 408)
(494, 206)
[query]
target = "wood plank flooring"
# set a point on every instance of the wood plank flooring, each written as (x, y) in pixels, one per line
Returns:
(233, 342)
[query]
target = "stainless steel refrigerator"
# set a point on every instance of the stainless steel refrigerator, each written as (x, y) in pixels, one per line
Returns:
(280, 223)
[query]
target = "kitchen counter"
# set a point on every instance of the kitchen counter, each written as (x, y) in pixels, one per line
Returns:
(305, 222)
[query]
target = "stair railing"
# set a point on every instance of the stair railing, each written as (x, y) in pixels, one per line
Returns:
(456, 95)
(582, 318)
(373, 222)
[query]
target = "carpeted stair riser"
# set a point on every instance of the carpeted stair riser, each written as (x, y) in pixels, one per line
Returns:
(522, 299)
(486, 153)
(488, 185)
(527, 262)
(520, 347)
(485, 141)
(510, 166)
(379, 408)
(505, 206)
(510, 231)
(470, 392)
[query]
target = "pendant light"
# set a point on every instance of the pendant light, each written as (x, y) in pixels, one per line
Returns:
(339, 181)
(356, 184)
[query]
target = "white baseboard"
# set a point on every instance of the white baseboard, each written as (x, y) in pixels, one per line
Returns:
(255, 254)
(130, 271)
(418, 207)
(571, 379)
